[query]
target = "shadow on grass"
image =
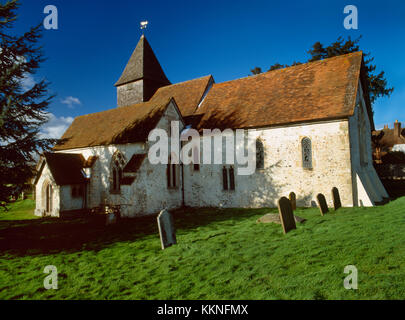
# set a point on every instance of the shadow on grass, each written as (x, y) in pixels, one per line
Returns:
(395, 188)
(89, 232)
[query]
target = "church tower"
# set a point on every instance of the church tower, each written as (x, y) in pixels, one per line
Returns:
(141, 77)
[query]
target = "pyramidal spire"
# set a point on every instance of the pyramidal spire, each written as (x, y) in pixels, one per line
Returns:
(141, 77)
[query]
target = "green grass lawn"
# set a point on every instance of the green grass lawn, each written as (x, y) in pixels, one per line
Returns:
(20, 210)
(221, 254)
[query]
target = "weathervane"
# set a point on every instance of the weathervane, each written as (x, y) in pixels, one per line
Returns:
(144, 24)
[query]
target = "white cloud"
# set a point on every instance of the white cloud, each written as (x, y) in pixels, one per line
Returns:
(71, 101)
(55, 127)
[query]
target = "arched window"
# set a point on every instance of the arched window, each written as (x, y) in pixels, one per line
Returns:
(196, 158)
(171, 174)
(77, 191)
(48, 197)
(259, 154)
(306, 147)
(228, 178)
(225, 178)
(231, 178)
(117, 165)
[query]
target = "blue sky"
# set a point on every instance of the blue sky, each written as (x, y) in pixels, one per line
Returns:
(95, 39)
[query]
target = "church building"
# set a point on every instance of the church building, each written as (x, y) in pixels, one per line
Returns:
(312, 125)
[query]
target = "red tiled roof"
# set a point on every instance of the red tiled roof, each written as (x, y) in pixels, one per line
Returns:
(318, 90)
(315, 91)
(114, 126)
(134, 163)
(127, 180)
(66, 168)
(187, 94)
(90, 162)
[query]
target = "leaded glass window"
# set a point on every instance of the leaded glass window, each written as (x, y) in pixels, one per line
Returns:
(306, 146)
(259, 154)
(117, 165)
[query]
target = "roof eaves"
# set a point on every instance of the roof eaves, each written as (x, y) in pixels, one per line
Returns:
(287, 124)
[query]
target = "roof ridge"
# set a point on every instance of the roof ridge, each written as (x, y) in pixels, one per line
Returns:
(319, 91)
(120, 126)
(183, 82)
(135, 105)
(290, 67)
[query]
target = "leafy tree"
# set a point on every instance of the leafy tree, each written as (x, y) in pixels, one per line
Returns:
(22, 110)
(277, 66)
(256, 70)
(394, 157)
(377, 84)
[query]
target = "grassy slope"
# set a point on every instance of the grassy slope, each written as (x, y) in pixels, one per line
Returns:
(19, 210)
(222, 254)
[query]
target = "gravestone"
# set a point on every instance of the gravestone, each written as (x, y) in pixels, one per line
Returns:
(293, 200)
(111, 219)
(323, 207)
(166, 229)
(286, 214)
(336, 198)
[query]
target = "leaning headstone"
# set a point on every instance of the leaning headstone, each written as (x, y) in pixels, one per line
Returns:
(323, 207)
(286, 214)
(336, 198)
(166, 229)
(293, 200)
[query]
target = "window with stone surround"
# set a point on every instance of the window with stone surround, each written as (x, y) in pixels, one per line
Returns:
(77, 190)
(225, 178)
(171, 173)
(306, 148)
(196, 159)
(117, 164)
(259, 154)
(228, 178)
(231, 178)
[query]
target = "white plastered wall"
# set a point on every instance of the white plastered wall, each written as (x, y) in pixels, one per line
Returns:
(40, 192)
(367, 187)
(148, 193)
(283, 171)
